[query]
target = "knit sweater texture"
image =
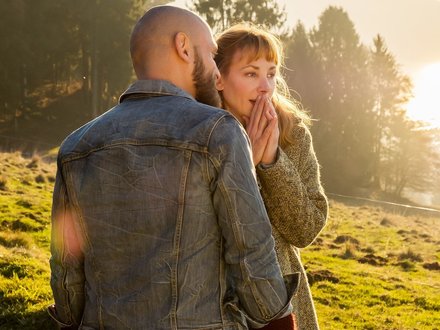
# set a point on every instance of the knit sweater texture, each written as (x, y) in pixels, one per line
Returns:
(298, 208)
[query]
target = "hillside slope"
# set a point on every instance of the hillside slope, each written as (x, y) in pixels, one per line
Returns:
(369, 269)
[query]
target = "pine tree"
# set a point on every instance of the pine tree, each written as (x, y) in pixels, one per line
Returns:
(64, 50)
(391, 90)
(343, 133)
(303, 71)
(221, 14)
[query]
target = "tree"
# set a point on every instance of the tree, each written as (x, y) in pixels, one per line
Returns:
(391, 90)
(409, 159)
(362, 135)
(435, 133)
(303, 71)
(343, 132)
(65, 70)
(220, 14)
(100, 30)
(27, 53)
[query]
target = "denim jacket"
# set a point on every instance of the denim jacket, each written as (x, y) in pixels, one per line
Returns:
(158, 223)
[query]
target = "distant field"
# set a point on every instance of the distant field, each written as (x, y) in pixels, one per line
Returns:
(369, 269)
(376, 270)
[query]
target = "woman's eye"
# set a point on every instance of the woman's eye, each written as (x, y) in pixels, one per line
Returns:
(251, 74)
(271, 75)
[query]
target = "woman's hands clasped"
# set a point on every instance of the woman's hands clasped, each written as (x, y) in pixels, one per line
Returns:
(263, 131)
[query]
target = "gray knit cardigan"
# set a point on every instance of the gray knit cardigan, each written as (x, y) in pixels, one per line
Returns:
(297, 208)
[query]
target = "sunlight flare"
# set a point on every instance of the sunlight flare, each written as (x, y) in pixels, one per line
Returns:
(425, 105)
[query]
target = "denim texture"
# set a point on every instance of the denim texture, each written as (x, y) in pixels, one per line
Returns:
(158, 223)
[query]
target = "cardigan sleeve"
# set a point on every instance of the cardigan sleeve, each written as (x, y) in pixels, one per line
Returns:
(292, 192)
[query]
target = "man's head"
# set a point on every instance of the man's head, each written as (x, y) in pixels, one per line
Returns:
(174, 44)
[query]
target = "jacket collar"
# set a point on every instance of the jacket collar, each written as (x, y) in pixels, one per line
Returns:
(150, 88)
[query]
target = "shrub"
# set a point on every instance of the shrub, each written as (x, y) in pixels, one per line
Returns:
(346, 238)
(407, 265)
(410, 255)
(350, 251)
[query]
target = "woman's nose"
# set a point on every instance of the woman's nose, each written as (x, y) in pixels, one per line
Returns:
(264, 86)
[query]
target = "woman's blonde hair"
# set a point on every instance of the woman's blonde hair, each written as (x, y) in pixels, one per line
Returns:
(258, 43)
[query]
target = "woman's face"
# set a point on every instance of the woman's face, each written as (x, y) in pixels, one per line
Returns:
(244, 81)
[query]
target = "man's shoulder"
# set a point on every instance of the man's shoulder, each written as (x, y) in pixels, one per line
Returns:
(70, 143)
(212, 117)
(207, 110)
(76, 143)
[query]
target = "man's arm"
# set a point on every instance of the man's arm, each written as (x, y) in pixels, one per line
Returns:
(249, 245)
(66, 262)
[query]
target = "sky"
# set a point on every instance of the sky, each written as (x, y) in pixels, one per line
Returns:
(411, 29)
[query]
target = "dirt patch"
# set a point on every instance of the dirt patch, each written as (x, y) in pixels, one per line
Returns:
(368, 250)
(346, 238)
(386, 222)
(374, 260)
(318, 241)
(321, 275)
(432, 266)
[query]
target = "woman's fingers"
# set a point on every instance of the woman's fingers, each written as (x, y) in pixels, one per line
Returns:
(262, 129)
(270, 110)
(270, 152)
(262, 123)
(256, 114)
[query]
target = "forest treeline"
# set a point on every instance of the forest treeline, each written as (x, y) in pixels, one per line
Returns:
(63, 63)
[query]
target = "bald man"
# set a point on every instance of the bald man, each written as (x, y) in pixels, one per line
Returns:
(157, 220)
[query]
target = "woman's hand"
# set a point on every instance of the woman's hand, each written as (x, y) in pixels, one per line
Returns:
(263, 131)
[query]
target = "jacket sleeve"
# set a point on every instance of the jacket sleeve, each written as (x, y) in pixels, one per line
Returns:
(292, 192)
(248, 244)
(66, 262)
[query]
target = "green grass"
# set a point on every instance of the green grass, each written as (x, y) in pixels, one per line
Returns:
(26, 186)
(366, 268)
(383, 284)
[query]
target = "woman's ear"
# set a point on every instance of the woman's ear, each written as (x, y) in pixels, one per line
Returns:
(183, 47)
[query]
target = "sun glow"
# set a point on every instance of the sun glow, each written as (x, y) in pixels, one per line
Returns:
(425, 105)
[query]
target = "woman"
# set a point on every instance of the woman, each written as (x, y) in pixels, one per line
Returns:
(252, 89)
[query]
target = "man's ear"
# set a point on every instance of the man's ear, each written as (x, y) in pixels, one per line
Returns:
(183, 47)
(219, 84)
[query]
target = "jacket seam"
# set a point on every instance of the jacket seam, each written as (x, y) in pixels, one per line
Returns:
(74, 201)
(164, 143)
(177, 237)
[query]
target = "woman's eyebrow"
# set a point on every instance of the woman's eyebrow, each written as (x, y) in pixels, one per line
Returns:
(256, 67)
(251, 66)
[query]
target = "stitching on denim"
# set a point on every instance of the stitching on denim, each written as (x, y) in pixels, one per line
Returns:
(177, 236)
(161, 143)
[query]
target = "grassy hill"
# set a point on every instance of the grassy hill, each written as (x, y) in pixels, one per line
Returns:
(369, 269)
(25, 202)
